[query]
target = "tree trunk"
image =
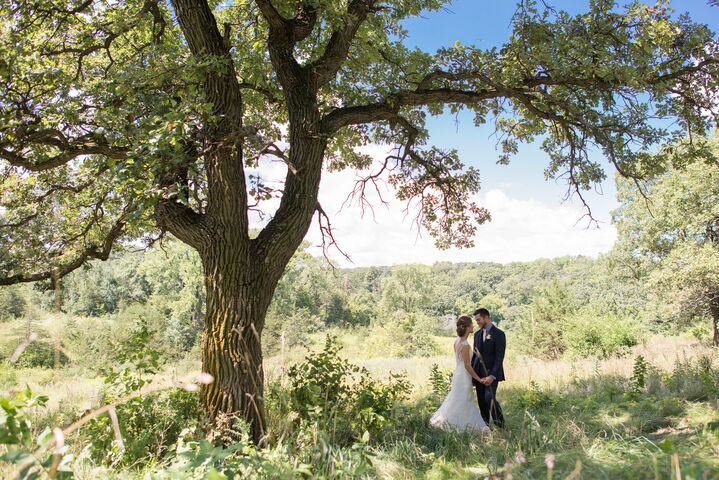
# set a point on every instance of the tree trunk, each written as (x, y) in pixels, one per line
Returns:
(240, 279)
(241, 274)
(231, 348)
(714, 308)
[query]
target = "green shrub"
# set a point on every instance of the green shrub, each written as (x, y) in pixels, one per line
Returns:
(38, 354)
(22, 447)
(534, 399)
(311, 456)
(382, 341)
(639, 375)
(439, 381)
(8, 376)
(701, 331)
(694, 379)
(421, 342)
(149, 424)
(89, 341)
(329, 390)
(12, 303)
(589, 335)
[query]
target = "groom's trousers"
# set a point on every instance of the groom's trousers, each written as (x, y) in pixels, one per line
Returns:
(487, 399)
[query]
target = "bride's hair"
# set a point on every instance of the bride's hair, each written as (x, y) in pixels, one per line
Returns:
(463, 323)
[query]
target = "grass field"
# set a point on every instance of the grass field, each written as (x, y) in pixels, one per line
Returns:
(584, 418)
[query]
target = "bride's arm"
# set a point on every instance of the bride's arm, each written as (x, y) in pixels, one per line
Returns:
(464, 352)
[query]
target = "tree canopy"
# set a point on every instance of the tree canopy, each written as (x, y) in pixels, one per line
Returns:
(672, 229)
(104, 105)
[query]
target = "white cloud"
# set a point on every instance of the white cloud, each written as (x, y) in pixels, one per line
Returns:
(520, 230)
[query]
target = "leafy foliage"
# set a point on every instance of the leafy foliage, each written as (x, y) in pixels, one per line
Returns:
(439, 382)
(675, 231)
(328, 389)
(20, 442)
(639, 374)
(150, 423)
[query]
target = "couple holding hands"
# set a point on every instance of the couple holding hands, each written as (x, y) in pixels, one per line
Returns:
(471, 404)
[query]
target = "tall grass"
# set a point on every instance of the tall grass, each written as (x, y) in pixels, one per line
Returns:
(580, 410)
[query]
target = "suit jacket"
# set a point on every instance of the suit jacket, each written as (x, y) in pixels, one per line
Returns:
(492, 351)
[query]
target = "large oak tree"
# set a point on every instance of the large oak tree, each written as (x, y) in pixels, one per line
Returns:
(125, 119)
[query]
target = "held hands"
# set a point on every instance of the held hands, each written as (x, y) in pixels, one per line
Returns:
(486, 381)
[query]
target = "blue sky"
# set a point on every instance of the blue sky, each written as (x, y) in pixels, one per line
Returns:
(487, 24)
(529, 219)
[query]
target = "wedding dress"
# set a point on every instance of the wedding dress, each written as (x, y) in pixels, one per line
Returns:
(459, 411)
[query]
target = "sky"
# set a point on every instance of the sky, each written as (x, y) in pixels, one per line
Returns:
(530, 217)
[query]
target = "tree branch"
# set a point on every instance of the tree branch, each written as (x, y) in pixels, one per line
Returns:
(338, 46)
(68, 152)
(93, 251)
(304, 22)
(181, 221)
(388, 109)
(270, 13)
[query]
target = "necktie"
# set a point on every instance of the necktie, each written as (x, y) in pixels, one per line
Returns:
(484, 334)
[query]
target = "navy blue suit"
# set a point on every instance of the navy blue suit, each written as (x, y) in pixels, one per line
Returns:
(492, 354)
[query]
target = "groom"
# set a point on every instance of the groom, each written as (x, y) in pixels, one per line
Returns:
(489, 346)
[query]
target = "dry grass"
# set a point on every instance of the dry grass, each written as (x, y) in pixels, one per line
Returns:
(662, 352)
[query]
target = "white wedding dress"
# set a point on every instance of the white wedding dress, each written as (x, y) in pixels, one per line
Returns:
(459, 410)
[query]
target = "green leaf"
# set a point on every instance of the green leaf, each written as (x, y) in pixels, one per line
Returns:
(213, 474)
(667, 446)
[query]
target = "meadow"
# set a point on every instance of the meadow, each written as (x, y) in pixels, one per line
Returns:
(651, 411)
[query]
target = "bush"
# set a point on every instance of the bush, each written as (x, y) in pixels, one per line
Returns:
(38, 354)
(421, 342)
(12, 303)
(440, 382)
(311, 457)
(8, 376)
(21, 446)
(328, 390)
(296, 325)
(89, 341)
(384, 342)
(588, 335)
(149, 424)
(694, 379)
(534, 399)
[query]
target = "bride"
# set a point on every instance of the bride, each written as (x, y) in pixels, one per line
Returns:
(459, 410)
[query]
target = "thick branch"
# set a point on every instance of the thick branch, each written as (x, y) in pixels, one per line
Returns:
(338, 46)
(227, 201)
(273, 17)
(304, 22)
(181, 221)
(297, 28)
(389, 108)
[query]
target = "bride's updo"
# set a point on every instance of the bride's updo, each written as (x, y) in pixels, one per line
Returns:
(463, 324)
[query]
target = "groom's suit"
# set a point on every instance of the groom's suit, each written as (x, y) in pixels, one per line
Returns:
(491, 347)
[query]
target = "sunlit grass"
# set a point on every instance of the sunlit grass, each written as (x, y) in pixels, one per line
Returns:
(575, 409)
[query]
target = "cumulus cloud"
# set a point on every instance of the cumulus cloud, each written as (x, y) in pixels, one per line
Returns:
(521, 229)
